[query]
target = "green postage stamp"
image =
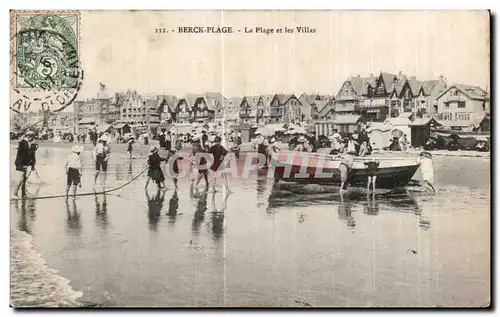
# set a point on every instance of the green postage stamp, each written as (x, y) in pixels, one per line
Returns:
(46, 49)
(45, 64)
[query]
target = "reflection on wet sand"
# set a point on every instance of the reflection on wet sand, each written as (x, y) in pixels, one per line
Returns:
(155, 205)
(28, 207)
(261, 187)
(173, 208)
(217, 217)
(101, 212)
(201, 208)
(372, 206)
(73, 217)
(372, 203)
(345, 212)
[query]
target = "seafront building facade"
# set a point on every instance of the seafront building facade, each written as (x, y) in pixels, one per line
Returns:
(375, 98)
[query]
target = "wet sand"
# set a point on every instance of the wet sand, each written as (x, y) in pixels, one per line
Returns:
(259, 246)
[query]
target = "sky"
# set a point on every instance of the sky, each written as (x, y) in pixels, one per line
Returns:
(122, 50)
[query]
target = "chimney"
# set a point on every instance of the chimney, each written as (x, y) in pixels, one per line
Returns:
(400, 73)
(359, 76)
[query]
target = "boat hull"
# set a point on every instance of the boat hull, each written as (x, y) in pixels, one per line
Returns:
(324, 170)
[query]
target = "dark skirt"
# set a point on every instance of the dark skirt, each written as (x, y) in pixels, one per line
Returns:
(156, 175)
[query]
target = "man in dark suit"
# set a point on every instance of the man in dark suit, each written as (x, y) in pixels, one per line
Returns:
(23, 160)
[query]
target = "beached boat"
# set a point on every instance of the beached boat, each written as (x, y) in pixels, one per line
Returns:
(318, 168)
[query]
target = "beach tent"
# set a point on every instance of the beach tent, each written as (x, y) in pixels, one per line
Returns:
(421, 130)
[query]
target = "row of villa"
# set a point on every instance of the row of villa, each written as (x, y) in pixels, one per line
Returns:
(372, 98)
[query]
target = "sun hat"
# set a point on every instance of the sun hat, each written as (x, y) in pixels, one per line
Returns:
(29, 133)
(153, 149)
(195, 138)
(272, 140)
(103, 138)
(77, 148)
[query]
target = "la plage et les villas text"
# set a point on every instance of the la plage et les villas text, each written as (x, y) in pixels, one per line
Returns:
(230, 29)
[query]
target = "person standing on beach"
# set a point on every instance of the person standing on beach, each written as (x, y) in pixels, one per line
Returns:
(218, 152)
(204, 139)
(161, 138)
(32, 160)
(74, 165)
(129, 147)
(155, 172)
(101, 154)
(202, 168)
(23, 160)
(372, 171)
(345, 168)
(93, 136)
(427, 171)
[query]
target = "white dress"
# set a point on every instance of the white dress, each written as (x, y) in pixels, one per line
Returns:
(427, 169)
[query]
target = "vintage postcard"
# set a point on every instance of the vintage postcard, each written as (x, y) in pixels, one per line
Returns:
(250, 159)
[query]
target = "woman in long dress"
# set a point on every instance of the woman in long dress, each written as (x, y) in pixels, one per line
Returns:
(155, 172)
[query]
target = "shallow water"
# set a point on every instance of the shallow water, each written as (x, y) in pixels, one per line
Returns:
(256, 246)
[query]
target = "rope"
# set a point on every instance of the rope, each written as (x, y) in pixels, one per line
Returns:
(84, 194)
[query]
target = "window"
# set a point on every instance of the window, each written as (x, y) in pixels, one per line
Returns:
(461, 104)
(446, 104)
(462, 116)
(447, 116)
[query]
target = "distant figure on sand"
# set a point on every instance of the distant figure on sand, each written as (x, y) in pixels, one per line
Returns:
(129, 147)
(101, 154)
(202, 169)
(74, 165)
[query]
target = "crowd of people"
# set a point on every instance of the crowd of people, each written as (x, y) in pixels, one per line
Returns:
(202, 140)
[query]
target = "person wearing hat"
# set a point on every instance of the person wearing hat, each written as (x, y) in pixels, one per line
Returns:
(302, 145)
(23, 159)
(74, 165)
(261, 144)
(161, 137)
(129, 147)
(352, 145)
(204, 139)
(273, 148)
(155, 172)
(168, 141)
(101, 154)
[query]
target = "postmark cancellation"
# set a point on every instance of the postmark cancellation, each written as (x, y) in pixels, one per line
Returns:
(45, 64)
